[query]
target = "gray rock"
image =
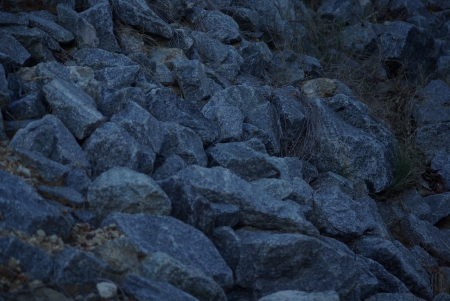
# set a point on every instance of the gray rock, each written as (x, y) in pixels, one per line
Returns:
(75, 270)
(84, 33)
(122, 257)
(84, 78)
(425, 235)
(443, 67)
(74, 107)
(113, 102)
(51, 28)
(193, 82)
(176, 10)
(64, 195)
(340, 11)
(228, 245)
(45, 15)
(338, 215)
(13, 50)
(306, 264)
(329, 179)
(247, 19)
(181, 39)
(7, 19)
(342, 145)
(276, 188)
(257, 209)
(4, 93)
(143, 289)
(184, 142)
(257, 57)
(169, 167)
(434, 108)
(138, 13)
(219, 26)
(439, 205)
(2, 129)
(256, 109)
(147, 64)
(387, 283)
(78, 180)
(441, 163)
(141, 125)
(166, 106)
(111, 146)
(242, 160)
(223, 59)
(117, 77)
(162, 267)
(423, 257)
(286, 68)
(163, 75)
(100, 17)
(394, 297)
(173, 237)
(398, 261)
(34, 261)
(189, 206)
(442, 297)
(291, 295)
(52, 139)
(433, 139)
(28, 107)
(225, 215)
(123, 190)
(97, 58)
(24, 210)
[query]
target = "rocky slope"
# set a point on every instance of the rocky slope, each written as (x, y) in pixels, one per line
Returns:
(193, 150)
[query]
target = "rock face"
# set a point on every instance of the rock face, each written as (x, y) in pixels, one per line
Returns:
(197, 150)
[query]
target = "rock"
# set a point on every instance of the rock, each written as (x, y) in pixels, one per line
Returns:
(141, 125)
(121, 189)
(144, 289)
(100, 17)
(84, 33)
(257, 209)
(107, 290)
(64, 195)
(219, 26)
(28, 107)
(7, 19)
(433, 139)
(117, 77)
(111, 146)
(78, 179)
(51, 28)
(242, 160)
(49, 137)
(169, 167)
(441, 163)
(341, 12)
(329, 179)
(84, 78)
(184, 142)
(193, 82)
(166, 106)
(394, 297)
(228, 244)
(439, 206)
(138, 13)
(434, 108)
(113, 102)
(301, 296)
(397, 260)
(276, 188)
(190, 206)
(173, 237)
(24, 210)
(285, 69)
(4, 94)
(76, 108)
(78, 271)
(2, 129)
(423, 257)
(33, 260)
(262, 253)
(98, 59)
(13, 51)
(257, 58)
(162, 267)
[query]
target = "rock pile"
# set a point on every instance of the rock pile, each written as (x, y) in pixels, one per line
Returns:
(143, 153)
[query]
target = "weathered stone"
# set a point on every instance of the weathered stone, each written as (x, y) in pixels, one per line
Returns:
(123, 190)
(286, 69)
(257, 57)
(113, 102)
(301, 296)
(84, 33)
(28, 107)
(175, 238)
(341, 12)
(441, 163)
(4, 93)
(98, 58)
(24, 210)
(423, 257)
(51, 28)
(7, 19)
(84, 78)
(117, 77)
(433, 139)
(138, 13)
(169, 167)
(225, 215)
(219, 26)
(162, 267)
(13, 50)
(64, 195)
(78, 180)
(434, 109)
(394, 297)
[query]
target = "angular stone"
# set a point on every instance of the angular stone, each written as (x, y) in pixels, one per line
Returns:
(13, 50)
(257, 209)
(193, 82)
(4, 93)
(2, 129)
(184, 142)
(219, 26)
(439, 206)
(301, 296)
(162, 267)
(341, 12)
(394, 297)
(97, 58)
(84, 33)
(225, 215)
(230, 121)
(441, 163)
(34, 261)
(121, 189)
(144, 289)
(175, 238)
(100, 17)
(286, 68)
(28, 107)
(307, 263)
(51, 28)
(434, 108)
(84, 78)
(257, 57)
(7, 19)
(169, 167)
(52, 139)
(74, 107)
(117, 77)
(24, 210)
(242, 160)
(113, 102)
(64, 195)
(138, 13)
(433, 139)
